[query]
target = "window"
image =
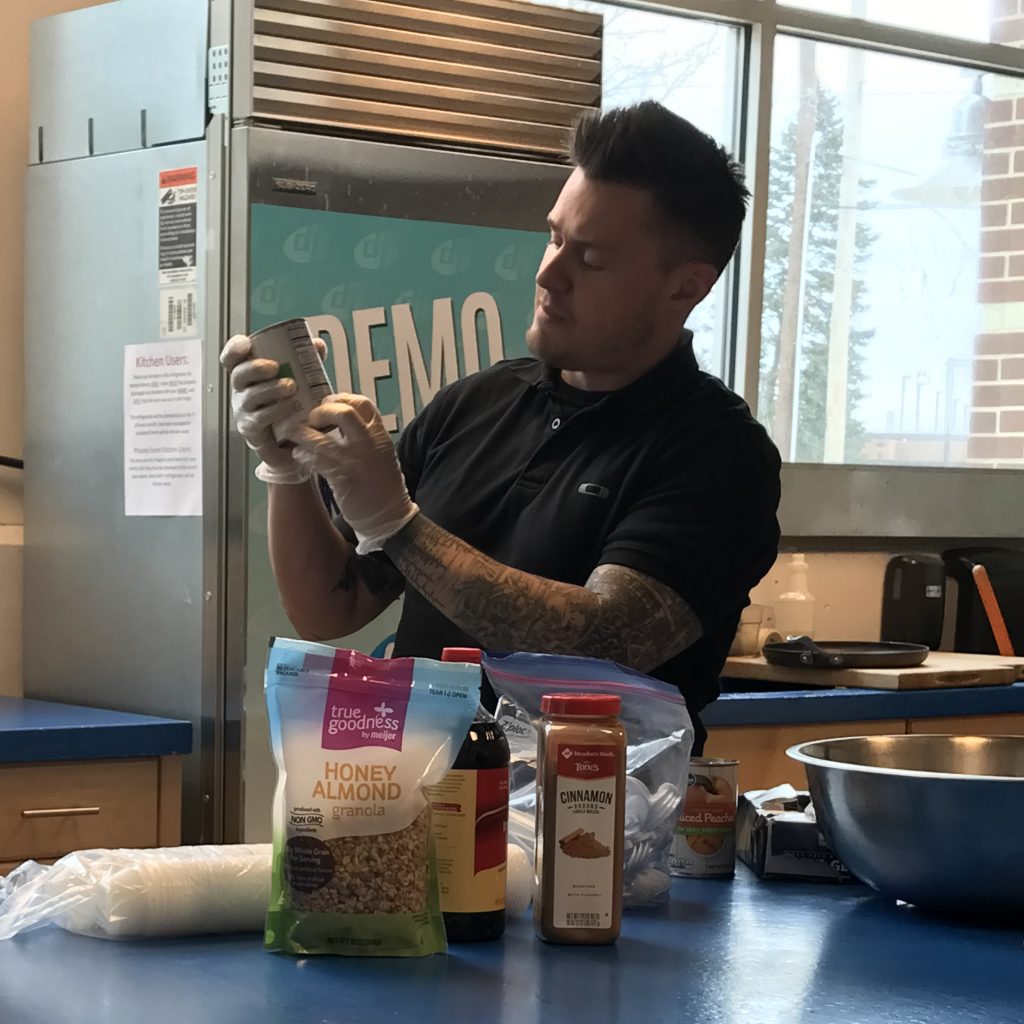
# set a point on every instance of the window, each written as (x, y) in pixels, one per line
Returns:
(881, 287)
(873, 307)
(692, 68)
(964, 19)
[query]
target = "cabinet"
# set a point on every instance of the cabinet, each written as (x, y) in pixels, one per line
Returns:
(970, 725)
(50, 809)
(761, 749)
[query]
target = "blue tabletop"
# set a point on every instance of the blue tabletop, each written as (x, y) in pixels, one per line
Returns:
(745, 952)
(38, 730)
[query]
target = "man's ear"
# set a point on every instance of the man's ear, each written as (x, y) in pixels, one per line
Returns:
(694, 280)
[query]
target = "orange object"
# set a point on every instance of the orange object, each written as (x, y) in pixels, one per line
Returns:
(993, 612)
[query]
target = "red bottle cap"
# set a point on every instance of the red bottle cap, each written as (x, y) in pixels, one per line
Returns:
(470, 654)
(591, 705)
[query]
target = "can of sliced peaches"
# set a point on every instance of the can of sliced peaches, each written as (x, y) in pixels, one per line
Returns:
(704, 844)
(290, 344)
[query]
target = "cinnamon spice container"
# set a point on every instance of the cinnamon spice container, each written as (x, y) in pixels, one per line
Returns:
(581, 801)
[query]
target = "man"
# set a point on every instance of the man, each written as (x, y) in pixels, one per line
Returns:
(605, 499)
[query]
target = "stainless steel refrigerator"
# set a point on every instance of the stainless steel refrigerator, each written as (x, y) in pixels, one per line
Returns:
(205, 167)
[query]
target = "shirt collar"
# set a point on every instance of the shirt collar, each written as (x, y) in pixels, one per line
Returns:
(654, 387)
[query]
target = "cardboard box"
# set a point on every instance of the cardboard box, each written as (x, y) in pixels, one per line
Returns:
(776, 837)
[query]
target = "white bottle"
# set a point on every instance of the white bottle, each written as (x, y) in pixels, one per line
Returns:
(794, 608)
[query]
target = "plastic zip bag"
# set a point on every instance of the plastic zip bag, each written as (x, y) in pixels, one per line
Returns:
(660, 736)
(356, 739)
(124, 894)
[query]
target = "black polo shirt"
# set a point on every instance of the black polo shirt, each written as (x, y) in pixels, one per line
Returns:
(671, 476)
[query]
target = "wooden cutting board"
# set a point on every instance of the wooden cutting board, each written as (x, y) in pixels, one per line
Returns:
(940, 669)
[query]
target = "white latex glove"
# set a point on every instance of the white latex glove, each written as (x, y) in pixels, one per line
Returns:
(257, 403)
(346, 443)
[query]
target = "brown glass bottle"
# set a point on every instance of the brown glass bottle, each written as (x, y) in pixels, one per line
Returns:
(581, 801)
(470, 825)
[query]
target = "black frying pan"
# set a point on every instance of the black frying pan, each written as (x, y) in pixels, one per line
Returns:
(803, 652)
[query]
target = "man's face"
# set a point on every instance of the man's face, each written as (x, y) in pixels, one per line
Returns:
(607, 295)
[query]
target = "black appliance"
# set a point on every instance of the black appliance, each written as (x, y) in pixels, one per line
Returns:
(913, 600)
(1005, 567)
(933, 599)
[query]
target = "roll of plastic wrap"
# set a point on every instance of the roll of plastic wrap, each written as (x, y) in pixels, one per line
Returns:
(187, 890)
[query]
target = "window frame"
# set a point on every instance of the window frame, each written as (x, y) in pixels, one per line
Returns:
(834, 500)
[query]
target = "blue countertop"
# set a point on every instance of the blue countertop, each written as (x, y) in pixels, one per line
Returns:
(790, 707)
(745, 952)
(36, 730)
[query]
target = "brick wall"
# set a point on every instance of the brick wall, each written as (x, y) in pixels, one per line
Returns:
(997, 414)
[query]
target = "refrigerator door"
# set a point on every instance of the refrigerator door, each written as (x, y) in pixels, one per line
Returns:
(418, 265)
(114, 604)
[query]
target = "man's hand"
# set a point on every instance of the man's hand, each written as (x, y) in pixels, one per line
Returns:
(258, 400)
(346, 443)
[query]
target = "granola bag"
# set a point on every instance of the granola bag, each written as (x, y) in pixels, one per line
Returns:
(356, 739)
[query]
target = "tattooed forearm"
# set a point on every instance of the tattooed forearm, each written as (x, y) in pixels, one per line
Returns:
(620, 614)
(348, 579)
(657, 621)
(379, 578)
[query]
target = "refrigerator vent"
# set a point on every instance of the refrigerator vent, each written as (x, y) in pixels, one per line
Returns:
(503, 74)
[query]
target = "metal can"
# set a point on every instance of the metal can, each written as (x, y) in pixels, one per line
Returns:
(290, 344)
(704, 844)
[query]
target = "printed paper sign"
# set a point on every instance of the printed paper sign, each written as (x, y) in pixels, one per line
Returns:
(163, 429)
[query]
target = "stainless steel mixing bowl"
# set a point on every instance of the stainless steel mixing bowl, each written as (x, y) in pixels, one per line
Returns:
(937, 821)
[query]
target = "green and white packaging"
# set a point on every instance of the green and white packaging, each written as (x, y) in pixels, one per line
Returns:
(356, 739)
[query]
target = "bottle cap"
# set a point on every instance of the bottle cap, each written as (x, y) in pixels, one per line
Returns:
(592, 705)
(470, 654)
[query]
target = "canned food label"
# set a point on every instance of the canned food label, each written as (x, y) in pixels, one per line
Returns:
(705, 835)
(289, 343)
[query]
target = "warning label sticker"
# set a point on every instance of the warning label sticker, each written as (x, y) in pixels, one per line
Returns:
(177, 251)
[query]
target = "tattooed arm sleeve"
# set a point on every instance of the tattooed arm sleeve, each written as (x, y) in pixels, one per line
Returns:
(620, 614)
(327, 590)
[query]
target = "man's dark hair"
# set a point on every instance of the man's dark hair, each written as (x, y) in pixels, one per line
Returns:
(694, 182)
